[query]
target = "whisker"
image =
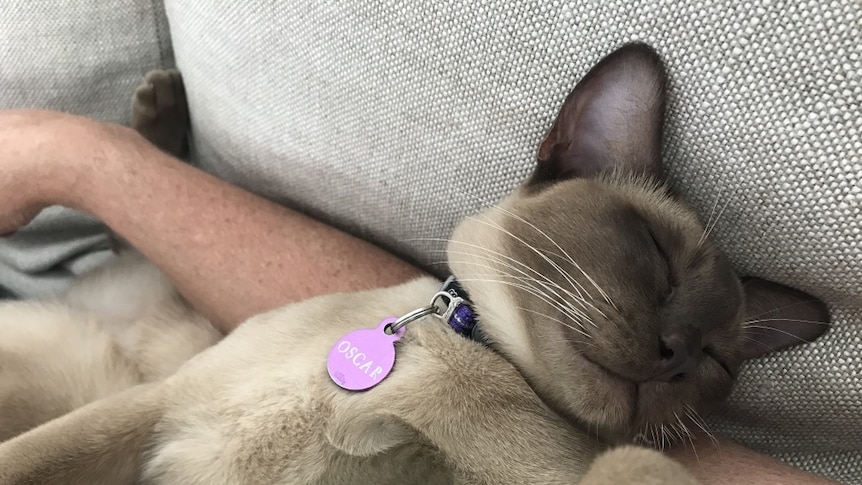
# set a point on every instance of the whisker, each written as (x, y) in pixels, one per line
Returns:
(763, 327)
(726, 204)
(503, 263)
(679, 431)
(694, 416)
(813, 322)
(529, 246)
(531, 291)
(688, 435)
(558, 302)
(585, 334)
(761, 344)
(711, 213)
(578, 298)
(569, 279)
(567, 255)
(681, 427)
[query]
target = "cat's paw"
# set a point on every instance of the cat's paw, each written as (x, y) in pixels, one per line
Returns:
(629, 465)
(160, 110)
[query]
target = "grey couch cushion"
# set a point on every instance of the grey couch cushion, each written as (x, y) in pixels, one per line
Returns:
(394, 119)
(83, 57)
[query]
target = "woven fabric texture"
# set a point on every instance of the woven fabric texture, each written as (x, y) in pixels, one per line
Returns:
(83, 57)
(393, 119)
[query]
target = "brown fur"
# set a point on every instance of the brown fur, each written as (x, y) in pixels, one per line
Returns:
(609, 317)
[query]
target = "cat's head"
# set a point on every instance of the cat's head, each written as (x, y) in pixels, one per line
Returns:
(604, 287)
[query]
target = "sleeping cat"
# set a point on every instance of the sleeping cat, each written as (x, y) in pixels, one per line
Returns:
(588, 310)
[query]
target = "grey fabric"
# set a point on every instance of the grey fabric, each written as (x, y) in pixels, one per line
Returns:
(394, 119)
(83, 57)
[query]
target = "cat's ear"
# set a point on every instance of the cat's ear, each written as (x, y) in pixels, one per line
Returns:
(612, 120)
(778, 317)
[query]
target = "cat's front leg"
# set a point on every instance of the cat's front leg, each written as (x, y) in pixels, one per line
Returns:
(630, 465)
(160, 111)
(52, 360)
(101, 443)
(474, 407)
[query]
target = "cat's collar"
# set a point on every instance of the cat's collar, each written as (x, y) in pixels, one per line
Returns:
(459, 311)
(451, 304)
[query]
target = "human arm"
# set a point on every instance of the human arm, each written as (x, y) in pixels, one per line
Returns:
(231, 253)
(722, 462)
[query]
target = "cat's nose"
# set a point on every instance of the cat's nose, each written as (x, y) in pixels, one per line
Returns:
(679, 354)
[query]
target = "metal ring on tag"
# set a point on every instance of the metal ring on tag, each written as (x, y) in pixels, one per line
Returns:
(413, 316)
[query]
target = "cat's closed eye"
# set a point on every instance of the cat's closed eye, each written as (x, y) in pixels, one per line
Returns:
(668, 290)
(712, 354)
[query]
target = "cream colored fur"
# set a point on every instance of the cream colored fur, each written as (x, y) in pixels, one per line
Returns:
(259, 408)
(119, 326)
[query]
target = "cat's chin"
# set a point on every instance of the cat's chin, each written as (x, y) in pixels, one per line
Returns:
(602, 400)
(621, 411)
(615, 405)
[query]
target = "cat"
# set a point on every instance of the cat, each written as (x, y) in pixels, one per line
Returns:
(588, 314)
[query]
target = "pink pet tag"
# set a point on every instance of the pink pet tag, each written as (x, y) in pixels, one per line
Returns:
(363, 358)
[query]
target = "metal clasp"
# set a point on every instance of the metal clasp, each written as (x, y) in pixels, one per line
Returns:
(443, 305)
(450, 300)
